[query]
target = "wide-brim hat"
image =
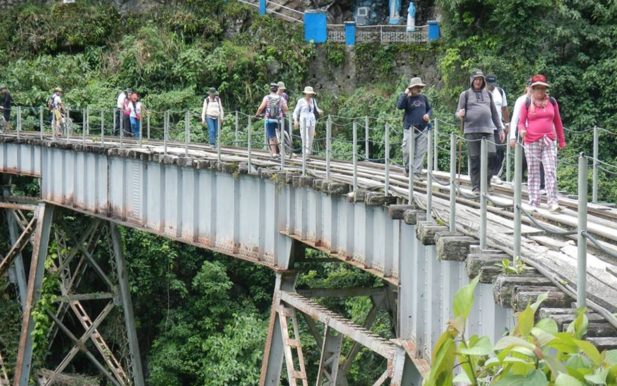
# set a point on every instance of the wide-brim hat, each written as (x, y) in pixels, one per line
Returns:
(539, 80)
(57, 89)
(281, 86)
(416, 82)
(308, 90)
(212, 91)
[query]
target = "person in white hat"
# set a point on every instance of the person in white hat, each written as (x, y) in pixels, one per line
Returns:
(416, 117)
(305, 117)
(57, 110)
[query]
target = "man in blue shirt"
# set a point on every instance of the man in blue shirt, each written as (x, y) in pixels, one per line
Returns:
(416, 119)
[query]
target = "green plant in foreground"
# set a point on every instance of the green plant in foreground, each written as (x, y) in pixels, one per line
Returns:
(532, 354)
(514, 267)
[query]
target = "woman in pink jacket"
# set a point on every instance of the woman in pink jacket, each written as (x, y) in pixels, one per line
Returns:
(539, 126)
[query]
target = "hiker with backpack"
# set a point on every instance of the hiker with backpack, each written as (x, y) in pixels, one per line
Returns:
(120, 102)
(416, 120)
(55, 105)
(514, 137)
(479, 118)
(305, 117)
(501, 104)
(5, 105)
(212, 114)
(126, 115)
(539, 127)
(274, 108)
(135, 109)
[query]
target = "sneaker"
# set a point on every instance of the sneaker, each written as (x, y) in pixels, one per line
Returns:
(542, 192)
(406, 172)
(475, 192)
(496, 180)
(554, 207)
(276, 156)
(534, 209)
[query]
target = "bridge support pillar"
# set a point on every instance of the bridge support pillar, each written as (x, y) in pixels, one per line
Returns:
(272, 363)
(37, 268)
(127, 305)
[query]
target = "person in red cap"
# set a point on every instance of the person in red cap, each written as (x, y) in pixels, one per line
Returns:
(539, 127)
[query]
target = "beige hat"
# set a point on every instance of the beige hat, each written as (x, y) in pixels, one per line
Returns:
(281, 85)
(308, 90)
(57, 89)
(416, 82)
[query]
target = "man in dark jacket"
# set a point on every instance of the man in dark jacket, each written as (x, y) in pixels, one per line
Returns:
(415, 120)
(5, 103)
(479, 119)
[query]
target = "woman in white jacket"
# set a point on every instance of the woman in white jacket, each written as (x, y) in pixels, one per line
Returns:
(305, 116)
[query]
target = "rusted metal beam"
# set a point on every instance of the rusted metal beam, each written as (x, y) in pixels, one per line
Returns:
(15, 206)
(21, 242)
(338, 323)
(37, 269)
(340, 292)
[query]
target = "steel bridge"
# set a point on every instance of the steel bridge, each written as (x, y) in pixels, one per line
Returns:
(241, 203)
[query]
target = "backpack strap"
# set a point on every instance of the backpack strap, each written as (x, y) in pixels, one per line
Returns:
(550, 98)
(503, 93)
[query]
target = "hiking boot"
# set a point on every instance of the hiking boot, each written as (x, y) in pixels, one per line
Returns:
(554, 207)
(475, 192)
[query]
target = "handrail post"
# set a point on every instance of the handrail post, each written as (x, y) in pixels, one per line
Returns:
(483, 191)
(410, 161)
(237, 128)
(121, 129)
(429, 175)
(18, 121)
(282, 144)
(366, 138)
(581, 276)
(88, 120)
(68, 129)
(165, 131)
(148, 123)
(508, 155)
(218, 139)
(387, 159)
(84, 123)
(594, 176)
(249, 130)
(41, 123)
(355, 156)
(103, 125)
(452, 222)
(436, 146)
(518, 181)
(305, 139)
(328, 146)
(187, 133)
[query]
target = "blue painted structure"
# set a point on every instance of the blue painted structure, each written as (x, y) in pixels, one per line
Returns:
(350, 33)
(315, 26)
(434, 32)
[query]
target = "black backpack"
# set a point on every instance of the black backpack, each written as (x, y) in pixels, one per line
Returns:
(274, 110)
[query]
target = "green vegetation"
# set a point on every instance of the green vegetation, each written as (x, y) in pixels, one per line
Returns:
(532, 354)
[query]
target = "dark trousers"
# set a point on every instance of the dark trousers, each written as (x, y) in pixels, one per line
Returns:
(500, 155)
(474, 144)
(7, 114)
(119, 117)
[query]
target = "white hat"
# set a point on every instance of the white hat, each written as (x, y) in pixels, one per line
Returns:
(308, 90)
(415, 82)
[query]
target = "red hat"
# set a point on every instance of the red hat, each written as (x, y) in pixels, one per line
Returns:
(539, 80)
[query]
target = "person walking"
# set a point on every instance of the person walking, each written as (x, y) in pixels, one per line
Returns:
(5, 104)
(212, 114)
(120, 101)
(501, 104)
(416, 118)
(540, 126)
(479, 118)
(274, 108)
(282, 92)
(135, 109)
(56, 107)
(305, 117)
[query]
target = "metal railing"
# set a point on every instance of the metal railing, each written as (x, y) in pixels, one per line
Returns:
(280, 10)
(384, 34)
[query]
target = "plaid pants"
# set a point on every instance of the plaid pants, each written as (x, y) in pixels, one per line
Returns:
(541, 151)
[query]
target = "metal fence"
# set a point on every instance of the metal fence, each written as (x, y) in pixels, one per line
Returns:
(384, 34)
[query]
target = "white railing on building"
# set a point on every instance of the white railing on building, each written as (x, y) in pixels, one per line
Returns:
(383, 34)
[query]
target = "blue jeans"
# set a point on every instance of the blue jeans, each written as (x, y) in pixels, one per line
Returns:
(213, 125)
(135, 126)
